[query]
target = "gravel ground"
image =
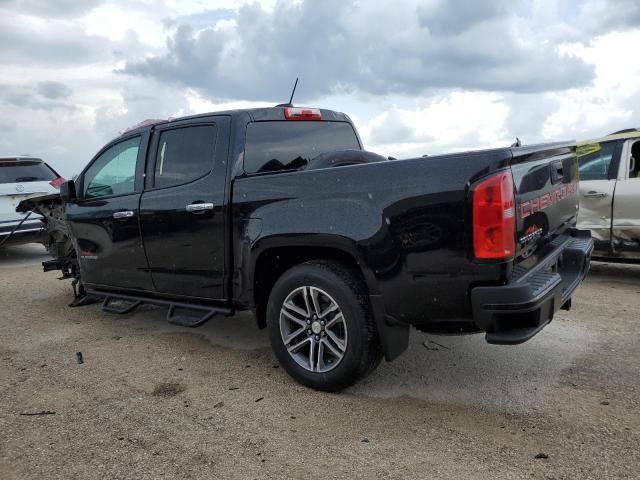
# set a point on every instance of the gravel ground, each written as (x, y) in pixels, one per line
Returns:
(153, 400)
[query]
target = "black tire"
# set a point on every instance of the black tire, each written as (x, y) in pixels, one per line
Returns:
(362, 353)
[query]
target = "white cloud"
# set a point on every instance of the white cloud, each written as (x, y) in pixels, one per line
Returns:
(414, 80)
(337, 46)
(198, 104)
(454, 121)
(612, 102)
(108, 21)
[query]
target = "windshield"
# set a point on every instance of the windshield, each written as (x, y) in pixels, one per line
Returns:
(25, 171)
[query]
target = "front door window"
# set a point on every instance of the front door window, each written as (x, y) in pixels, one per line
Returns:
(595, 160)
(114, 171)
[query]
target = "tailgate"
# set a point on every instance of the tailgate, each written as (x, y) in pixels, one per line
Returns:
(546, 193)
(11, 194)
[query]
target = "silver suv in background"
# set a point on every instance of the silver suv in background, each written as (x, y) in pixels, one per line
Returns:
(23, 177)
(610, 193)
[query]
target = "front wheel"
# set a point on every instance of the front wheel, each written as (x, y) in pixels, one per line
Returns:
(320, 325)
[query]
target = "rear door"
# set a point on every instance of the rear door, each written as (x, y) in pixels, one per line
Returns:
(598, 176)
(626, 203)
(183, 208)
(104, 218)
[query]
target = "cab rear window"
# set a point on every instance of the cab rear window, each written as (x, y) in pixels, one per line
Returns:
(288, 145)
(23, 172)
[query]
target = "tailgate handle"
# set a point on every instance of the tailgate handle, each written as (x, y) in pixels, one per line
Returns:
(594, 194)
(557, 173)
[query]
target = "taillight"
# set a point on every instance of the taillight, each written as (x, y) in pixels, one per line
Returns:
(494, 217)
(302, 113)
(56, 182)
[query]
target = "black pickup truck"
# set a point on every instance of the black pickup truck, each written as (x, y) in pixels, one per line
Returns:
(337, 250)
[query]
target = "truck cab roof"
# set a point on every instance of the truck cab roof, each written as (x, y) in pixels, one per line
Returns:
(621, 134)
(252, 115)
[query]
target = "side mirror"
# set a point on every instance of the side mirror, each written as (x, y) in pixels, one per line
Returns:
(68, 191)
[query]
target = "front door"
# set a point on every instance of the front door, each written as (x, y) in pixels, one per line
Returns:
(183, 208)
(598, 176)
(626, 205)
(104, 218)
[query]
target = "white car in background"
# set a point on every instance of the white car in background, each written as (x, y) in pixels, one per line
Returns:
(22, 177)
(610, 193)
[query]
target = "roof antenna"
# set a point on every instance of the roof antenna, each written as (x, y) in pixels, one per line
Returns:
(290, 99)
(517, 144)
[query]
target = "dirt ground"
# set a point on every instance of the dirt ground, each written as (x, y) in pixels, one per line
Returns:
(153, 400)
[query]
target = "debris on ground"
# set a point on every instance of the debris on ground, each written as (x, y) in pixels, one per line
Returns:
(541, 456)
(43, 412)
(168, 389)
(431, 345)
(79, 358)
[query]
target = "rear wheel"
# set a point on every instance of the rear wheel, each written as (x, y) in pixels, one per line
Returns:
(320, 326)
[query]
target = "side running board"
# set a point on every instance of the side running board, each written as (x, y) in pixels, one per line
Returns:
(130, 306)
(188, 316)
(178, 313)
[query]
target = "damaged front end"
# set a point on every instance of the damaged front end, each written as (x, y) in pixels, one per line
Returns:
(58, 240)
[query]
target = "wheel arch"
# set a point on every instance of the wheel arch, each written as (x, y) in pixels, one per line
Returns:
(275, 258)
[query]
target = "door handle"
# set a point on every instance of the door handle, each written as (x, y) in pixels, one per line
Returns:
(199, 207)
(124, 214)
(594, 194)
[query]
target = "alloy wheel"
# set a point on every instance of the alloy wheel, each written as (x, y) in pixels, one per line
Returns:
(313, 329)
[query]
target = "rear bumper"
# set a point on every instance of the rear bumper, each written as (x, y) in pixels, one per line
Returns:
(30, 231)
(513, 313)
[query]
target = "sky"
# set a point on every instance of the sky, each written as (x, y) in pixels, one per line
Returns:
(416, 76)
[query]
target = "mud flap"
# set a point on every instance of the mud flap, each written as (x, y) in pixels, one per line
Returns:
(394, 336)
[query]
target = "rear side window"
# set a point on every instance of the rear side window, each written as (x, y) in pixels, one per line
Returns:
(184, 154)
(286, 145)
(595, 160)
(25, 171)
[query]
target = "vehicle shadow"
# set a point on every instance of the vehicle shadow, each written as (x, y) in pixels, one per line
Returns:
(30, 254)
(466, 371)
(615, 270)
(456, 370)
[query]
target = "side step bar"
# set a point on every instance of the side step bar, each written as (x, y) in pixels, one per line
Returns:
(51, 265)
(179, 313)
